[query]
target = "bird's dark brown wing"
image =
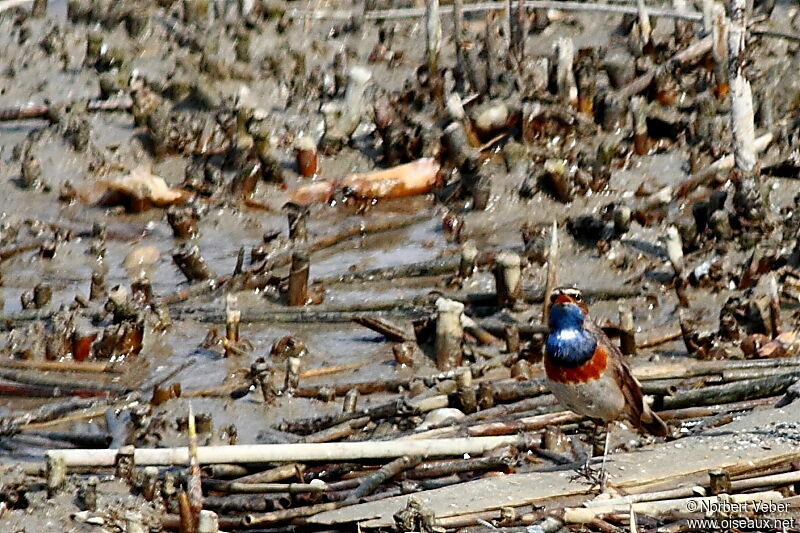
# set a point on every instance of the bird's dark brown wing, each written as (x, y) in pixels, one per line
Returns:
(636, 410)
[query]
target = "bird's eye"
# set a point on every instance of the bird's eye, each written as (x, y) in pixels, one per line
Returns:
(578, 297)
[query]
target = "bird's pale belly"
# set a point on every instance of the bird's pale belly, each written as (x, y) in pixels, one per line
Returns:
(599, 398)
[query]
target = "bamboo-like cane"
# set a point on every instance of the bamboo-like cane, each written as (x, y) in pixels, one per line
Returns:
(267, 453)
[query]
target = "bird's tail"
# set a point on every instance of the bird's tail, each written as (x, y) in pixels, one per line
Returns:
(652, 423)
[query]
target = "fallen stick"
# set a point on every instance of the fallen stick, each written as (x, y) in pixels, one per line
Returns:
(685, 413)
(391, 331)
(736, 391)
(43, 110)
(62, 366)
(693, 368)
(434, 267)
(691, 53)
(83, 414)
(264, 453)
(321, 313)
(723, 163)
(657, 341)
(44, 380)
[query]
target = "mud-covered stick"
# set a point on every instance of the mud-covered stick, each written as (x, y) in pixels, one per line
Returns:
(271, 475)
(385, 327)
(674, 247)
(297, 216)
(466, 264)
(306, 157)
(733, 392)
(508, 279)
(627, 336)
(292, 380)
(350, 402)
(233, 317)
(742, 116)
(723, 163)
(449, 334)
(191, 264)
(565, 76)
(298, 278)
(719, 49)
(641, 139)
(466, 394)
(774, 305)
(56, 469)
(693, 52)
(339, 431)
(659, 340)
(183, 221)
(371, 482)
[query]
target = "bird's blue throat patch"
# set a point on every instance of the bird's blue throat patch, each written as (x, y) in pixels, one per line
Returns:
(569, 344)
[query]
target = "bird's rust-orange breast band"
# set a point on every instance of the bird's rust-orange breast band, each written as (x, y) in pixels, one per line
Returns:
(588, 371)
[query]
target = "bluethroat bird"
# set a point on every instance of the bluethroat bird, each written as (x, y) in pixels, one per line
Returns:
(587, 373)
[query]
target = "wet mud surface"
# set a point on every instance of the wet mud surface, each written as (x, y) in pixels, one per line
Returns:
(257, 81)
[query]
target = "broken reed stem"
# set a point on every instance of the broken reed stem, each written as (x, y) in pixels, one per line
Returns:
(194, 487)
(627, 331)
(552, 272)
(233, 317)
(719, 49)
(297, 216)
(466, 265)
(674, 246)
(433, 35)
(449, 334)
(645, 29)
(641, 139)
(508, 279)
(565, 76)
(742, 118)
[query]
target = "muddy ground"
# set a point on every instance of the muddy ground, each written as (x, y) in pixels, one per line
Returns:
(287, 93)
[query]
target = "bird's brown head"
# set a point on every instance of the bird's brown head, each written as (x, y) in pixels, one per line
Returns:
(568, 295)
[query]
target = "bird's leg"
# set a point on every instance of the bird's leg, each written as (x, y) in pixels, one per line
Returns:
(603, 474)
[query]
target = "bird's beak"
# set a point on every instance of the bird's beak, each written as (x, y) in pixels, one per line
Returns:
(563, 299)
